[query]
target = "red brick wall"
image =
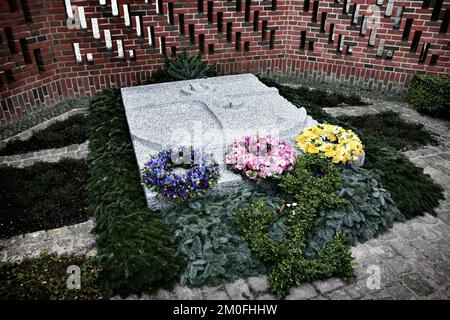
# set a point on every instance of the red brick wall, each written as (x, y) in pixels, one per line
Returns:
(39, 67)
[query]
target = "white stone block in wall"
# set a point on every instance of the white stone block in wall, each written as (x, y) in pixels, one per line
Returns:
(120, 50)
(82, 17)
(138, 26)
(95, 28)
(126, 15)
(115, 8)
(389, 8)
(380, 48)
(69, 10)
(76, 48)
(356, 14)
(108, 39)
(373, 37)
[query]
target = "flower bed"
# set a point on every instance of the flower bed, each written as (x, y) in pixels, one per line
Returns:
(42, 196)
(45, 278)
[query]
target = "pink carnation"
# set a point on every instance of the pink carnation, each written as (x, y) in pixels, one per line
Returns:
(259, 157)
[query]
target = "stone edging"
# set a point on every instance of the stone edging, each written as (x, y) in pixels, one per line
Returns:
(25, 135)
(75, 239)
(74, 151)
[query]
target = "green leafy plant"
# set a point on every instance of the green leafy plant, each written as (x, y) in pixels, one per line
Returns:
(42, 196)
(430, 94)
(185, 67)
(313, 184)
(367, 210)
(57, 135)
(45, 278)
(133, 242)
(207, 239)
(392, 130)
(413, 191)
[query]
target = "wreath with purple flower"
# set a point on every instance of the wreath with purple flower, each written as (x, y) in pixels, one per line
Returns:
(181, 174)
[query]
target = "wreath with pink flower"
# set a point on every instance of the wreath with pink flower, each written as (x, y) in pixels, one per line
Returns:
(260, 157)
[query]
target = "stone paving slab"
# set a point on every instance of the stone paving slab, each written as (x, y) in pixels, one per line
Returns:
(75, 239)
(75, 151)
(25, 135)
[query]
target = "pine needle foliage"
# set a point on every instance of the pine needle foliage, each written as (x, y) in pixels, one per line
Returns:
(134, 248)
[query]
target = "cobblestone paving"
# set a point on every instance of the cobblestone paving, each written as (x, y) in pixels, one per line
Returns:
(75, 151)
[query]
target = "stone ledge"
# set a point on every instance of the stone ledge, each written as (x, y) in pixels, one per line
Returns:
(75, 239)
(25, 135)
(75, 151)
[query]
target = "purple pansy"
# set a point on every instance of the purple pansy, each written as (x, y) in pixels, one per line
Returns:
(202, 173)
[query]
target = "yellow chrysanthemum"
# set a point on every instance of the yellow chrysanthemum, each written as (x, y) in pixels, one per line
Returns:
(312, 149)
(334, 142)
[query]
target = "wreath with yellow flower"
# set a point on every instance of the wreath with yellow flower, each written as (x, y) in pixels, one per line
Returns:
(334, 142)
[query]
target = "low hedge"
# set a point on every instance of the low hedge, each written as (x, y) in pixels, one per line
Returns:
(329, 99)
(58, 135)
(392, 130)
(430, 94)
(134, 248)
(413, 191)
(42, 196)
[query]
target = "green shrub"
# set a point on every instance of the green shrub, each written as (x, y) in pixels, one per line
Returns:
(133, 242)
(413, 191)
(45, 278)
(320, 177)
(207, 239)
(430, 94)
(313, 184)
(392, 130)
(42, 196)
(57, 135)
(184, 67)
(366, 212)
